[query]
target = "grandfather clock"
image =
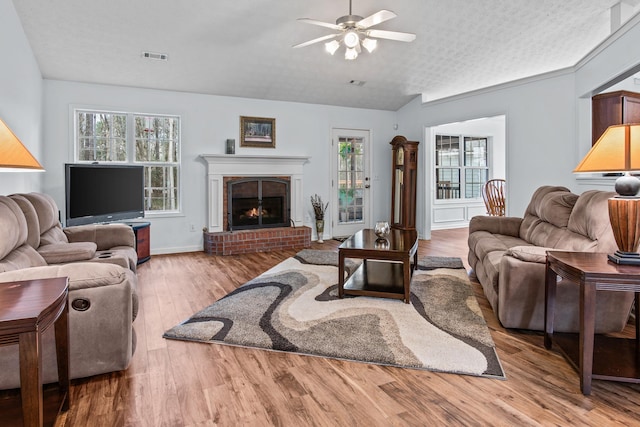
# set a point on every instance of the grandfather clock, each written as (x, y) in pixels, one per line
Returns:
(403, 183)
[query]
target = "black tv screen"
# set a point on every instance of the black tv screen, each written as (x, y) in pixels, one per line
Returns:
(103, 193)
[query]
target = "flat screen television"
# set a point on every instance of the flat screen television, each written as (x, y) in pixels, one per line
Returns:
(97, 193)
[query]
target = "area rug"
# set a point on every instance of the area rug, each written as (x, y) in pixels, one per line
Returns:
(294, 307)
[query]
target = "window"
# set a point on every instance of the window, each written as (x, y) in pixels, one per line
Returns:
(102, 137)
(461, 166)
(149, 140)
(156, 142)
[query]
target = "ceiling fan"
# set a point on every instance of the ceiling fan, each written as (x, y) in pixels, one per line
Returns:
(354, 31)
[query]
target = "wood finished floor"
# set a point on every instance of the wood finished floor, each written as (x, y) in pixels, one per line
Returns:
(176, 383)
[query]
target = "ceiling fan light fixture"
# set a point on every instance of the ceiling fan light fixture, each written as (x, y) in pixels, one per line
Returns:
(370, 44)
(351, 39)
(350, 54)
(355, 32)
(332, 46)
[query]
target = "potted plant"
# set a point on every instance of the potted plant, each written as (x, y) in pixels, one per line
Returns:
(319, 209)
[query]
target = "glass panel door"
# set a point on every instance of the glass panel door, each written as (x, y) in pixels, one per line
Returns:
(351, 181)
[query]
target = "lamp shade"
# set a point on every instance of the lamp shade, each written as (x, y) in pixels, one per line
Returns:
(13, 154)
(617, 150)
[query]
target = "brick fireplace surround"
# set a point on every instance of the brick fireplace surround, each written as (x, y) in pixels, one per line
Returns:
(261, 240)
(217, 241)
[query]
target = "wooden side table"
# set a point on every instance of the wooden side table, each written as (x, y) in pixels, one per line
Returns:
(594, 357)
(27, 309)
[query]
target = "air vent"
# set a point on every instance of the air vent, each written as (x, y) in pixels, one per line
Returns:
(155, 55)
(356, 82)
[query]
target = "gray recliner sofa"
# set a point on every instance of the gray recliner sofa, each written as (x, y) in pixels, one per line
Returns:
(508, 256)
(102, 288)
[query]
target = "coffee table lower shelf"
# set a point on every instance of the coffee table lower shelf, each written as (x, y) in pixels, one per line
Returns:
(377, 279)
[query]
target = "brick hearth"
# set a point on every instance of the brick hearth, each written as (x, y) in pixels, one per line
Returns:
(262, 240)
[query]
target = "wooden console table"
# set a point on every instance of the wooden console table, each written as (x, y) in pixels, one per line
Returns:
(389, 276)
(27, 309)
(593, 356)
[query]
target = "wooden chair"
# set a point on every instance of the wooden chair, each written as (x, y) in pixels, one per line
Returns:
(493, 195)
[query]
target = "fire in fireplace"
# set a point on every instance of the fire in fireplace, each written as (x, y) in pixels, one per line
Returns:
(259, 202)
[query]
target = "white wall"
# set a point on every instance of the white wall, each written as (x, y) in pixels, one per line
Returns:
(207, 122)
(540, 130)
(20, 98)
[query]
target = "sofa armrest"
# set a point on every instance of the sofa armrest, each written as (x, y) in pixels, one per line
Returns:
(505, 225)
(105, 236)
(83, 275)
(59, 253)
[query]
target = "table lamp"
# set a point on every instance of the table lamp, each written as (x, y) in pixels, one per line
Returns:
(14, 156)
(618, 150)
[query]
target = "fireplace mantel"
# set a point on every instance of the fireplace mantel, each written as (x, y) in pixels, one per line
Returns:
(221, 165)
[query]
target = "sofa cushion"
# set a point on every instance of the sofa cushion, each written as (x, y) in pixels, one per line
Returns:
(23, 257)
(590, 218)
(53, 236)
(537, 206)
(59, 253)
(13, 226)
(30, 215)
(556, 207)
(529, 253)
(483, 242)
(547, 216)
(47, 211)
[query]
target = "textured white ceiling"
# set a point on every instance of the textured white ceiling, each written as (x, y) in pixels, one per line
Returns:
(243, 47)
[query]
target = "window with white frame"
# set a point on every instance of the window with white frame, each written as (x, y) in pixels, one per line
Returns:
(461, 166)
(152, 141)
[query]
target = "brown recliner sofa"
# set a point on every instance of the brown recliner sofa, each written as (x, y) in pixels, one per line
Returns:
(33, 245)
(508, 256)
(112, 243)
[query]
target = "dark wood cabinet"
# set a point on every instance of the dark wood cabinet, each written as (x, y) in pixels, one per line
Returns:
(143, 243)
(613, 108)
(403, 183)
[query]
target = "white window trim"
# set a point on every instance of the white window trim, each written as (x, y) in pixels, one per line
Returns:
(435, 167)
(73, 112)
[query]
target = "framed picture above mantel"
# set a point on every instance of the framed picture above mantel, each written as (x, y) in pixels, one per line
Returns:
(257, 132)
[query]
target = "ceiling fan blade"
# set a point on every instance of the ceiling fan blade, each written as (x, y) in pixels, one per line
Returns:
(376, 18)
(319, 39)
(392, 35)
(320, 23)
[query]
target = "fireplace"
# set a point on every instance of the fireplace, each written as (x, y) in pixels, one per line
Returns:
(290, 234)
(220, 167)
(257, 202)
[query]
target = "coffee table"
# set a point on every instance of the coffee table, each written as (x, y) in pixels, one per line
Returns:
(386, 268)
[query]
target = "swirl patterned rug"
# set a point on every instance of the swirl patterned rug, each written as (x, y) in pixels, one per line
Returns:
(294, 307)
